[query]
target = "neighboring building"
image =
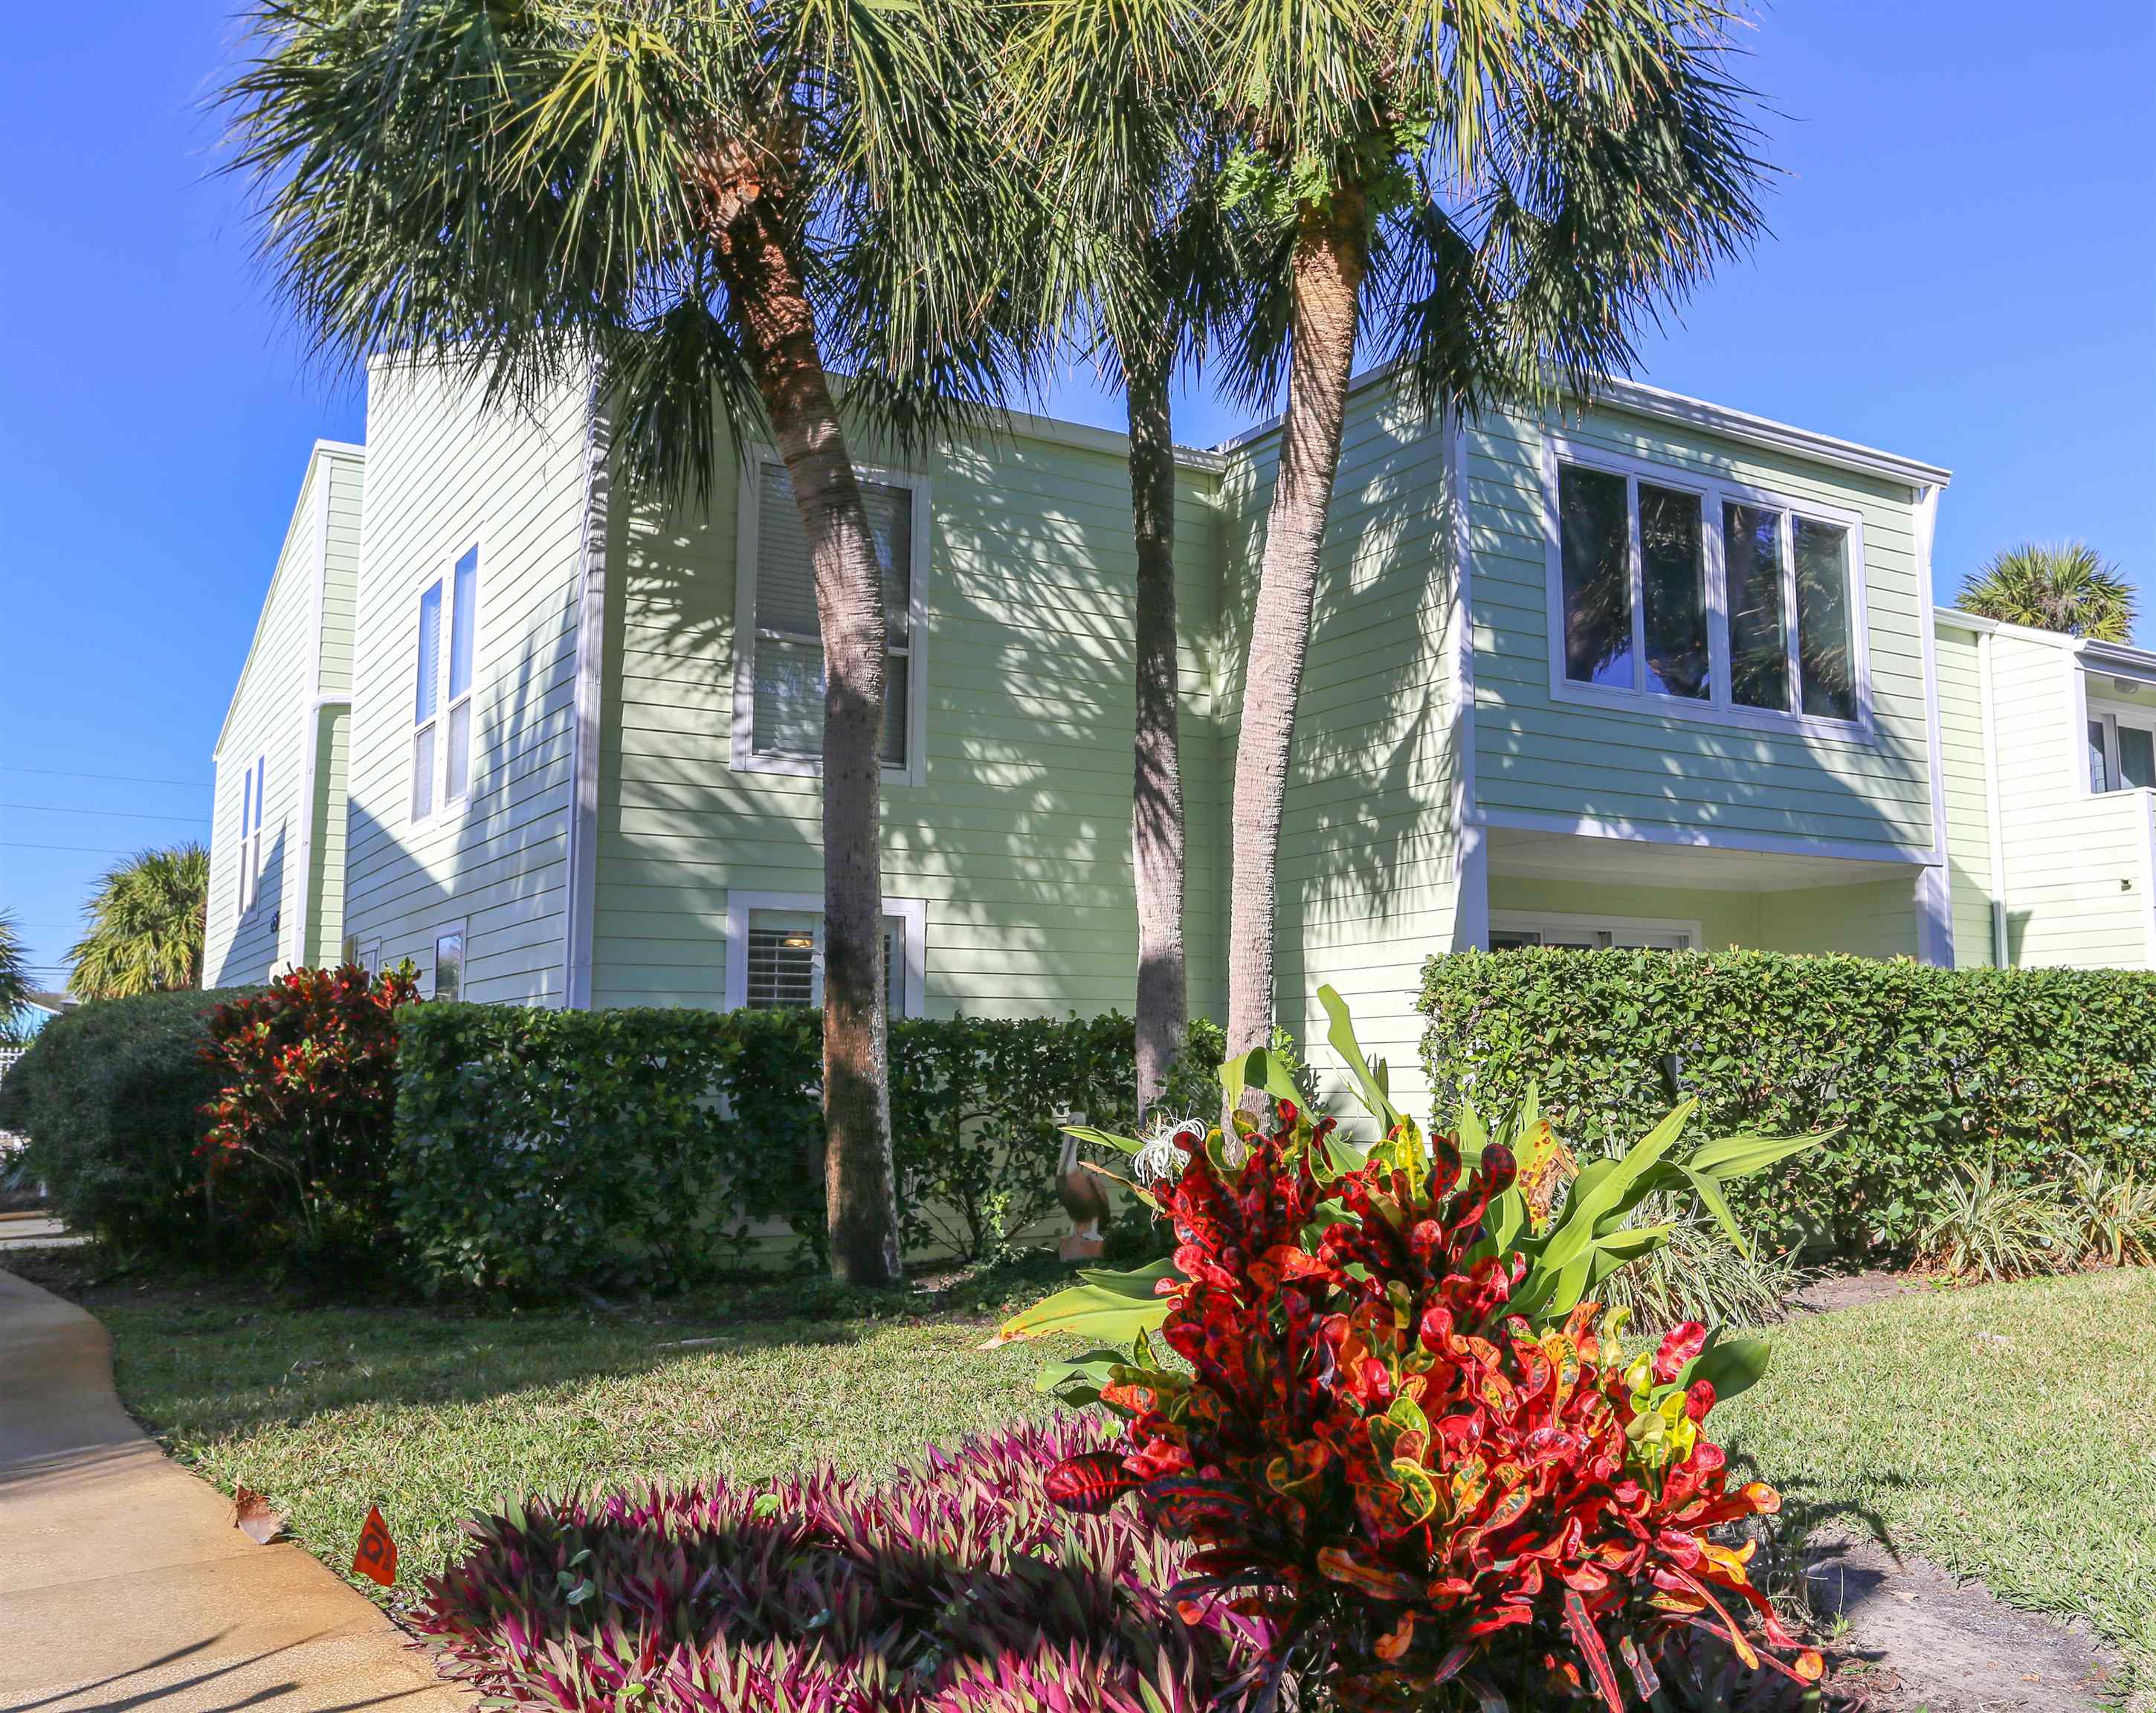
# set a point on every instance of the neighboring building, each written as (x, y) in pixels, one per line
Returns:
(1659, 674)
(37, 1009)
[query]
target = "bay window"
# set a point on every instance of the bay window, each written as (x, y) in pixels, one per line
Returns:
(1673, 589)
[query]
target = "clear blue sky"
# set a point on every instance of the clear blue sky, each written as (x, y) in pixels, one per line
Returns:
(1962, 268)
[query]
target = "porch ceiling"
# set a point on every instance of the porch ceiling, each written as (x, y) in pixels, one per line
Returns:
(1636, 862)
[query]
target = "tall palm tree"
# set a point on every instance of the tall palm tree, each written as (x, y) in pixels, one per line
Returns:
(1491, 192)
(14, 970)
(1111, 98)
(2065, 585)
(710, 205)
(143, 931)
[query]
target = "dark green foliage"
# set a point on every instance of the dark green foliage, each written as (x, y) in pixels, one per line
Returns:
(544, 1150)
(1925, 1069)
(110, 1095)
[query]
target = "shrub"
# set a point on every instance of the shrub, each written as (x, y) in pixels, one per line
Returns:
(1404, 1428)
(2110, 1215)
(110, 1095)
(1989, 1229)
(1923, 1067)
(298, 1146)
(1701, 1274)
(544, 1150)
(954, 1588)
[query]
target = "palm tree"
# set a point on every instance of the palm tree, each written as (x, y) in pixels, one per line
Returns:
(2065, 585)
(14, 971)
(144, 926)
(1112, 99)
(708, 207)
(1494, 193)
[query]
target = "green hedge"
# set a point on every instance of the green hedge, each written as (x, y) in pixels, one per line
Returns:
(542, 1150)
(110, 1095)
(1924, 1068)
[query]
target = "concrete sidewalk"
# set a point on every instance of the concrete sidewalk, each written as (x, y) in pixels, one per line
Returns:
(123, 1584)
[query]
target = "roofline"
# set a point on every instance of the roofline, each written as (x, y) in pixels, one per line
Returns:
(1057, 431)
(2110, 657)
(1643, 400)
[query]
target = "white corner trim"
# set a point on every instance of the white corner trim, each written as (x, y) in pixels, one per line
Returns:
(586, 734)
(2076, 690)
(311, 702)
(1935, 896)
(1471, 870)
(2002, 956)
(2148, 843)
(1713, 490)
(911, 912)
(742, 720)
(1710, 838)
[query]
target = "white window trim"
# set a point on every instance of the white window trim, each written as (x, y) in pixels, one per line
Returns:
(368, 956)
(1713, 490)
(2111, 717)
(911, 912)
(442, 931)
(745, 758)
(254, 787)
(444, 570)
(1536, 921)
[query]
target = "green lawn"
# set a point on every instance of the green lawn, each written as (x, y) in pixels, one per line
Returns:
(2008, 1432)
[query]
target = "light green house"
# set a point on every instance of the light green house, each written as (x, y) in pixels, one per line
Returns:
(1655, 673)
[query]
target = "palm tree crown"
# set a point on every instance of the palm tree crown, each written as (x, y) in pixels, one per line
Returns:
(145, 926)
(2065, 585)
(14, 972)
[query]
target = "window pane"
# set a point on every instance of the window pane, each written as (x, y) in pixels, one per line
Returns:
(423, 773)
(896, 674)
(1758, 631)
(261, 786)
(1825, 661)
(1673, 589)
(463, 622)
(788, 714)
(890, 522)
(782, 960)
(460, 756)
(246, 804)
(1595, 529)
(894, 966)
(449, 966)
(2097, 781)
(2137, 758)
(430, 653)
(1513, 938)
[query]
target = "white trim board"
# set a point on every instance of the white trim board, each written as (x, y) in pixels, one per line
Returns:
(586, 732)
(1711, 838)
(1536, 921)
(911, 912)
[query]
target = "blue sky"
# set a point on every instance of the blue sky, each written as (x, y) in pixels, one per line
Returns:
(1962, 268)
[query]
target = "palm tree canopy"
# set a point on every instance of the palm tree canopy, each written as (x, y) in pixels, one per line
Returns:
(526, 188)
(1535, 178)
(14, 972)
(2064, 585)
(145, 927)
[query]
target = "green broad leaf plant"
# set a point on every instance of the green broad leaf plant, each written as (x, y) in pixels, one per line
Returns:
(1401, 1429)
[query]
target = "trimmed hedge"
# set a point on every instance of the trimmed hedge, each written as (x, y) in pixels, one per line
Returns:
(542, 1150)
(110, 1095)
(1924, 1068)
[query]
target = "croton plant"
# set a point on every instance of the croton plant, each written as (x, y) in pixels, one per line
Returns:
(1406, 1436)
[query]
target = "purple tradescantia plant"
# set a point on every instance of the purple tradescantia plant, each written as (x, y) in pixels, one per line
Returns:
(956, 1587)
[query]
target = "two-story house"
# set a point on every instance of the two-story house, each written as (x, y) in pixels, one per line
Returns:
(1652, 673)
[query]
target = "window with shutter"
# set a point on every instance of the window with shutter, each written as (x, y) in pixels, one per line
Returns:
(776, 943)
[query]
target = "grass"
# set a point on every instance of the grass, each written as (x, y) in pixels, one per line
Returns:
(2006, 1432)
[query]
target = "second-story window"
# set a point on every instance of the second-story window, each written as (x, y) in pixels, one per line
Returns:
(1687, 590)
(2122, 751)
(441, 740)
(785, 677)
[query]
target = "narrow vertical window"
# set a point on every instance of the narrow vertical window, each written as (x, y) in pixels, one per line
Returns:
(1759, 621)
(463, 622)
(1826, 667)
(1673, 592)
(1594, 533)
(426, 701)
(787, 673)
(255, 845)
(2098, 773)
(450, 965)
(250, 833)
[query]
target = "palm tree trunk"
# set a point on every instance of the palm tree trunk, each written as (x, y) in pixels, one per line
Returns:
(861, 1202)
(1156, 821)
(1331, 255)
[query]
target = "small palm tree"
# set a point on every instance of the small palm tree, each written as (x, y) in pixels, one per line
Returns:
(14, 972)
(2063, 585)
(145, 921)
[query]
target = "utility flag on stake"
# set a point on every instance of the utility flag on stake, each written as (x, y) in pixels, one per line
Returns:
(377, 1556)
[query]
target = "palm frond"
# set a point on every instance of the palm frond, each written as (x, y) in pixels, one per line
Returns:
(14, 969)
(2065, 585)
(144, 926)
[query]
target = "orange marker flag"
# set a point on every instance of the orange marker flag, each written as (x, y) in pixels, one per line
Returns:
(377, 1556)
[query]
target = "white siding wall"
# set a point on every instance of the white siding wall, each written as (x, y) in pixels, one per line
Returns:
(444, 474)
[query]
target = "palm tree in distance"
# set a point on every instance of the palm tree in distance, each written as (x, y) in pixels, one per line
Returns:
(143, 926)
(1148, 262)
(1493, 193)
(702, 211)
(2064, 585)
(14, 970)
